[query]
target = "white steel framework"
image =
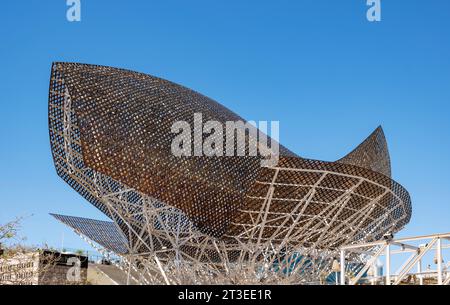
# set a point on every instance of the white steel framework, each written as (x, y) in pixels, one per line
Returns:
(165, 247)
(411, 254)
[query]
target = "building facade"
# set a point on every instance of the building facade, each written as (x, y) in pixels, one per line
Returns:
(43, 268)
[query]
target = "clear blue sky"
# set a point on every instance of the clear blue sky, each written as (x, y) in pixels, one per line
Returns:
(318, 66)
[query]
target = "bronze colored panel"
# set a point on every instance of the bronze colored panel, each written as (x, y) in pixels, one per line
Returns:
(122, 130)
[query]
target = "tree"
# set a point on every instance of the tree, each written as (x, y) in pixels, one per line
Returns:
(10, 230)
(19, 264)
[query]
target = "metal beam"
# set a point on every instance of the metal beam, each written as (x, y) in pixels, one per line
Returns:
(414, 261)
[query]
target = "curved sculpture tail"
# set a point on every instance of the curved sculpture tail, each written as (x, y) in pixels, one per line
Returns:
(372, 154)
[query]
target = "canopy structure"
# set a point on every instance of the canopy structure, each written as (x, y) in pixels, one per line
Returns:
(104, 233)
(211, 218)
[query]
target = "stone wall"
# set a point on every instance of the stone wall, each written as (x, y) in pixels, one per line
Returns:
(43, 268)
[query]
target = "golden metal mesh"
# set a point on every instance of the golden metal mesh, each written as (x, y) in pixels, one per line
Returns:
(110, 133)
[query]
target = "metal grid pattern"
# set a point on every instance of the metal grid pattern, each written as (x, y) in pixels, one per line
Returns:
(372, 154)
(105, 233)
(210, 219)
(321, 205)
(125, 118)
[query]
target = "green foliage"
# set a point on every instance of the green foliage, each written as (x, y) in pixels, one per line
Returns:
(9, 230)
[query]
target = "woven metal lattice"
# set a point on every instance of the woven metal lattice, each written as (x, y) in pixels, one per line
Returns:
(105, 233)
(110, 133)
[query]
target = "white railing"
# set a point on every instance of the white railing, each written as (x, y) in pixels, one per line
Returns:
(432, 250)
